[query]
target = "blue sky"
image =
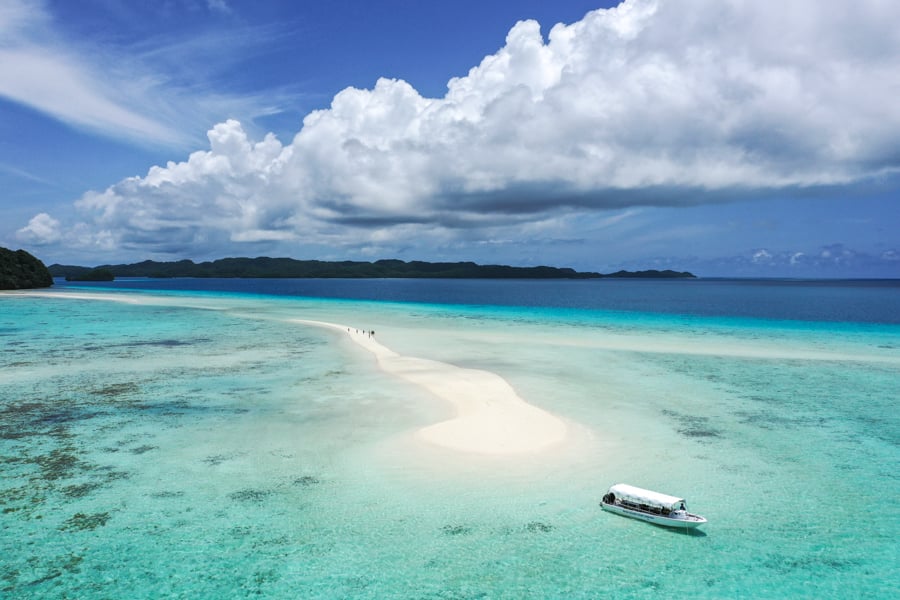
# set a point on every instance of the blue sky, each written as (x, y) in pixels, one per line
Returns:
(722, 138)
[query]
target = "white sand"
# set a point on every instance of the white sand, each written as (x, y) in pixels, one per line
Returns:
(76, 296)
(490, 417)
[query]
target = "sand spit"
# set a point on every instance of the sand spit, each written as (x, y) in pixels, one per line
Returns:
(490, 417)
(77, 296)
(123, 297)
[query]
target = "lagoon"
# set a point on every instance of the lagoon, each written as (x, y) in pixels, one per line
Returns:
(188, 438)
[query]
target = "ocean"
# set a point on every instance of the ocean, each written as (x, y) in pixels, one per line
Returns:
(184, 438)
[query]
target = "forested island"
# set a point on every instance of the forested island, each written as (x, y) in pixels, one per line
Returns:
(19, 270)
(98, 274)
(275, 268)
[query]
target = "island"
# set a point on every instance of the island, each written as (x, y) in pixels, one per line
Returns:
(98, 274)
(653, 274)
(20, 270)
(289, 268)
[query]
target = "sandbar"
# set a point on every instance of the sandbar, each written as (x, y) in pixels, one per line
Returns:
(75, 295)
(490, 416)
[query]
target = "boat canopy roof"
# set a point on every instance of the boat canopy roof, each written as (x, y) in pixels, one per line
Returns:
(638, 495)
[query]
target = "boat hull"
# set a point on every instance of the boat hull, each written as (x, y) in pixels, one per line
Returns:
(688, 521)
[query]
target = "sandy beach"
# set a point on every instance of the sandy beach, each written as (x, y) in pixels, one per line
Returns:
(490, 417)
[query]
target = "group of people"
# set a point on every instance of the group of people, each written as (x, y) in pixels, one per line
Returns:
(370, 332)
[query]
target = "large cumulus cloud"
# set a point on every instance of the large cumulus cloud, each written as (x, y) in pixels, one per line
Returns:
(653, 102)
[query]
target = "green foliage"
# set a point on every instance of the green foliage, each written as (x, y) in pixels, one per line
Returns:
(98, 274)
(653, 274)
(277, 268)
(20, 270)
(265, 267)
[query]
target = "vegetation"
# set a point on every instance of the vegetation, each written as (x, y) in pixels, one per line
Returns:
(98, 274)
(265, 267)
(20, 270)
(653, 274)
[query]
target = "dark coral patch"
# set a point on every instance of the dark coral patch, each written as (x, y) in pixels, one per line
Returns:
(306, 481)
(117, 389)
(167, 494)
(250, 495)
(698, 432)
(218, 459)
(693, 426)
(456, 529)
(83, 522)
(538, 527)
(58, 464)
(79, 490)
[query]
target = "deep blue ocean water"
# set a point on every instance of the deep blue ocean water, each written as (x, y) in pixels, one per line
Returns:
(183, 438)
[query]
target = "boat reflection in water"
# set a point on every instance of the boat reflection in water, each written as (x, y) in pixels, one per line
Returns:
(650, 506)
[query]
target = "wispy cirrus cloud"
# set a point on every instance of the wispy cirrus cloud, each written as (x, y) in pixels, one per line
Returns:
(23, 174)
(150, 92)
(218, 5)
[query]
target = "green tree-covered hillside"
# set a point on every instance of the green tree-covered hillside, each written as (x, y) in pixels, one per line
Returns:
(20, 270)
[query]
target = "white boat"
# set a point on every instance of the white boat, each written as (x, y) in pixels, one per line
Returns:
(653, 507)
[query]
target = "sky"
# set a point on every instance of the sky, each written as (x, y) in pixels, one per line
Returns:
(737, 138)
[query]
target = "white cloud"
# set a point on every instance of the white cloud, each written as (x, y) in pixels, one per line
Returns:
(41, 229)
(651, 103)
(218, 6)
(835, 260)
(761, 256)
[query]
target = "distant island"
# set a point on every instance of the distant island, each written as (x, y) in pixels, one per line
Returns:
(653, 274)
(278, 268)
(19, 270)
(98, 274)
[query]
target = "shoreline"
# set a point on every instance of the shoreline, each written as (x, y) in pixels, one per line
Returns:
(490, 417)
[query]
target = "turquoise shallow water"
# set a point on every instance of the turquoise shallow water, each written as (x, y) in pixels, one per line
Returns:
(198, 445)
